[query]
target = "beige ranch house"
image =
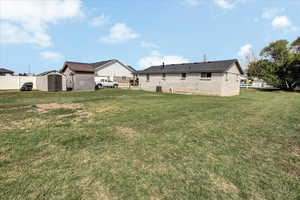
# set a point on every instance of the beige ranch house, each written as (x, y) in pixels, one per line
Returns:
(220, 78)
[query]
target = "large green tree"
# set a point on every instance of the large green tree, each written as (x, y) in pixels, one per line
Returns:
(279, 64)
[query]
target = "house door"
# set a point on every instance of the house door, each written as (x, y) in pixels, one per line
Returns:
(54, 83)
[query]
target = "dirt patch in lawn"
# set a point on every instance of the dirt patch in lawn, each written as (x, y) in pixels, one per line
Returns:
(4, 127)
(44, 108)
(106, 109)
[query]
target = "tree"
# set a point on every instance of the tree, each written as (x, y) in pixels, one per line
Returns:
(279, 65)
(296, 42)
(296, 45)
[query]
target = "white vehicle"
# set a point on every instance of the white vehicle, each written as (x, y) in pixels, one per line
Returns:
(105, 83)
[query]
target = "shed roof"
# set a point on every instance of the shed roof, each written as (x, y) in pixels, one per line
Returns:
(47, 72)
(78, 67)
(3, 70)
(214, 66)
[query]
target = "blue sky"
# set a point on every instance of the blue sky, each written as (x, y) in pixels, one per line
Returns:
(44, 34)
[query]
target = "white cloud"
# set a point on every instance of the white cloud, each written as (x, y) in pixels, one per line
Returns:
(99, 20)
(28, 20)
(278, 20)
(50, 55)
(246, 55)
(271, 13)
(157, 59)
(148, 45)
(119, 33)
(226, 4)
(245, 50)
(283, 23)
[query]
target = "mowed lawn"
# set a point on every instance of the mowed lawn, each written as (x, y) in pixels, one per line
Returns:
(119, 144)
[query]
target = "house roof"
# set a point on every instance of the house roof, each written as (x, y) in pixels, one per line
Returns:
(91, 67)
(78, 67)
(103, 64)
(3, 70)
(214, 66)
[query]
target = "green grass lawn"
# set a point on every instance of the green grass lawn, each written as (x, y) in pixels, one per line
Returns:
(119, 144)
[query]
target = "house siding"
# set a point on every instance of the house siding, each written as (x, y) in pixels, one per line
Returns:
(114, 70)
(220, 84)
(231, 84)
(193, 83)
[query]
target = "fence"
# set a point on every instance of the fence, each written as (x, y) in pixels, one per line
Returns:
(15, 82)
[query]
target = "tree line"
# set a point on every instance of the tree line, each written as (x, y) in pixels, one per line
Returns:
(278, 65)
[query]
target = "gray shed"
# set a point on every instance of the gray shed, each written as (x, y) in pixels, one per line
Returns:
(51, 81)
(79, 76)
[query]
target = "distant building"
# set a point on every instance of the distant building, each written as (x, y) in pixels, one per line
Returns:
(116, 71)
(221, 78)
(6, 72)
(79, 76)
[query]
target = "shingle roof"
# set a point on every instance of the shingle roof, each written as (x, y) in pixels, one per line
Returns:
(78, 67)
(90, 67)
(215, 66)
(101, 63)
(3, 70)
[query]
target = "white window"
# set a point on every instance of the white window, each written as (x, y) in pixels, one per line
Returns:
(183, 76)
(148, 77)
(227, 76)
(163, 76)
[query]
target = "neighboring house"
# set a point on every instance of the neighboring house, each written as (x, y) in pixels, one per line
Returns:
(6, 72)
(51, 81)
(221, 78)
(116, 71)
(79, 76)
(113, 70)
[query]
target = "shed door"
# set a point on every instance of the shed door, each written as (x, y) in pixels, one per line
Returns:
(54, 83)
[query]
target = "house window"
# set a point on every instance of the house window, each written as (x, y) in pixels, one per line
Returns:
(163, 76)
(123, 78)
(206, 75)
(183, 76)
(148, 77)
(227, 76)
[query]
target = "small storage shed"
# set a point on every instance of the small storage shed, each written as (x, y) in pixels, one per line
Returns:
(51, 81)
